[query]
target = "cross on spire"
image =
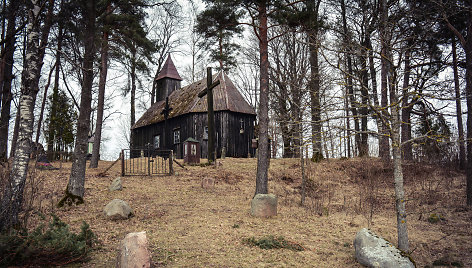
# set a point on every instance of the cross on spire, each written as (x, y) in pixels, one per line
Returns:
(167, 109)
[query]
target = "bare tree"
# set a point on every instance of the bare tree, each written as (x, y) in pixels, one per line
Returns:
(164, 31)
(386, 59)
(248, 73)
(6, 69)
(289, 84)
(460, 125)
(196, 69)
(466, 43)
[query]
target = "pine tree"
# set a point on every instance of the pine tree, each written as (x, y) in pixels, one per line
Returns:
(132, 47)
(62, 125)
(218, 23)
(104, 48)
(76, 186)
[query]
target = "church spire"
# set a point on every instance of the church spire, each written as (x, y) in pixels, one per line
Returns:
(167, 81)
(169, 70)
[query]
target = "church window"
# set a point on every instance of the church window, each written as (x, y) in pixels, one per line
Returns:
(157, 142)
(205, 133)
(176, 136)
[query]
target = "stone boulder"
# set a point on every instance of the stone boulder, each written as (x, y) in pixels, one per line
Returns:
(208, 183)
(264, 205)
(116, 185)
(117, 210)
(133, 252)
(374, 251)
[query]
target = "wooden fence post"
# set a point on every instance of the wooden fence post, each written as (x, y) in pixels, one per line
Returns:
(122, 156)
(171, 161)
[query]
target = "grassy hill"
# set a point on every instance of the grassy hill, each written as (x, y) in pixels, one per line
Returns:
(189, 226)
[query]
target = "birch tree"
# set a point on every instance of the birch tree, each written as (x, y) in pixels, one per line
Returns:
(13, 194)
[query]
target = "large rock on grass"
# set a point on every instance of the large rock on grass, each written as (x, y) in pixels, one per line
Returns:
(264, 205)
(133, 252)
(374, 251)
(117, 210)
(208, 183)
(116, 185)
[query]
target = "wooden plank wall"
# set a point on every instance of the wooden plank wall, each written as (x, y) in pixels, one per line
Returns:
(227, 126)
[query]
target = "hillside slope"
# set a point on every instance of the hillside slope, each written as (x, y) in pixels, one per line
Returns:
(189, 226)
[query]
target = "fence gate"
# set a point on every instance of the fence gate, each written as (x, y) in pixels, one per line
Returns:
(146, 162)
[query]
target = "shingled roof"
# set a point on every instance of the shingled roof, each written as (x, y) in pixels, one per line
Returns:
(169, 70)
(185, 100)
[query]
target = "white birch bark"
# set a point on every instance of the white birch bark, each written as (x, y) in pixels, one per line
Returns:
(13, 193)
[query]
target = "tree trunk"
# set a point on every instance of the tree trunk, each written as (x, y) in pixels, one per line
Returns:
(315, 97)
(55, 93)
(314, 82)
(40, 52)
(468, 53)
(133, 95)
(220, 47)
(101, 99)
(286, 139)
(407, 150)
(402, 230)
(303, 189)
(467, 46)
(363, 110)
(43, 105)
(349, 86)
(13, 193)
(7, 77)
(16, 128)
(347, 120)
(384, 146)
(76, 186)
(153, 90)
(263, 150)
(275, 142)
(460, 126)
(373, 76)
(2, 46)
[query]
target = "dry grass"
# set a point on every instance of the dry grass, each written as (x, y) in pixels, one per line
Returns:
(188, 226)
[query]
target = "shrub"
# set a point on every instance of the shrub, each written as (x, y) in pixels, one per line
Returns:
(270, 242)
(55, 245)
(435, 218)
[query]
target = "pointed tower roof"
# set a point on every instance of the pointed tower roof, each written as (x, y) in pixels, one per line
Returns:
(169, 70)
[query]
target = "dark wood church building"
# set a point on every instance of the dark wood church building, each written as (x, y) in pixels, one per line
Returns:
(187, 117)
